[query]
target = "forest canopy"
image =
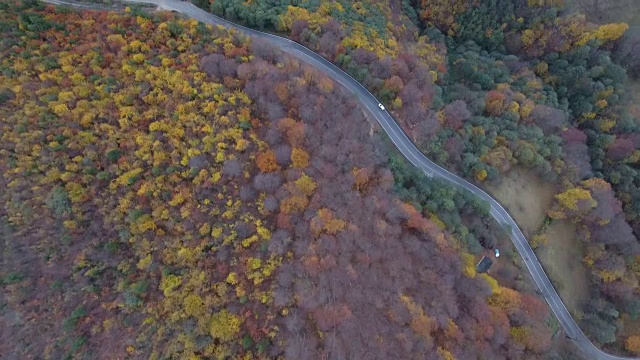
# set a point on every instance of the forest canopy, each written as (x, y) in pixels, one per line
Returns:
(484, 87)
(164, 201)
(177, 190)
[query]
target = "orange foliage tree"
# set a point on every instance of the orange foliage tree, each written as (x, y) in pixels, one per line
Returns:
(266, 162)
(632, 344)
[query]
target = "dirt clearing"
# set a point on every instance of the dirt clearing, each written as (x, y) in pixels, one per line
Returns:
(526, 197)
(562, 261)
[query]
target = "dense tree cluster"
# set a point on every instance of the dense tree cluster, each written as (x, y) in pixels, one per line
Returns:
(363, 258)
(580, 97)
(464, 215)
(175, 191)
(563, 68)
(134, 217)
(373, 41)
(483, 86)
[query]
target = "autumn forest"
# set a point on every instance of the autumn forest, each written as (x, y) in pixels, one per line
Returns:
(176, 190)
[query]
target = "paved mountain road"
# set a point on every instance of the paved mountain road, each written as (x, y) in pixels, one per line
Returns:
(411, 152)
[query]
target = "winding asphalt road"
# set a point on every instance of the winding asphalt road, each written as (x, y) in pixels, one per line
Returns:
(410, 151)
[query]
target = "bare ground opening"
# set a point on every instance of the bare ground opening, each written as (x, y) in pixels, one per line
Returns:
(526, 197)
(562, 260)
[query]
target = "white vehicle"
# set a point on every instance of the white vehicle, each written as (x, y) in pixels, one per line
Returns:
(497, 253)
(381, 106)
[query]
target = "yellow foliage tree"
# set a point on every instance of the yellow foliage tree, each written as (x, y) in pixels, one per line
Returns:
(538, 239)
(481, 175)
(605, 33)
(571, 198)
(299, 158)
(293, 13)
(169, 283)
(493, 283)
(329, 222)
(225, 326)
(204, 229)
(507, 299)
(520, 334)
(445, 354)
(632, 344)
(469, 266)
(193, 305)
(163, 115)
(421, 324)
(334, 226)
(306, 184)
(293, 204)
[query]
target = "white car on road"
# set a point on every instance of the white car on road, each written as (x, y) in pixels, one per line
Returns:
(497, 252)
(381, 106)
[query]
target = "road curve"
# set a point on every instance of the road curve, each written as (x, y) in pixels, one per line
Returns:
(411, 152)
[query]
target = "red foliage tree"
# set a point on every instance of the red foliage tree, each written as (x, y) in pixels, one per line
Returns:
(455, 114)
(620, 149)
